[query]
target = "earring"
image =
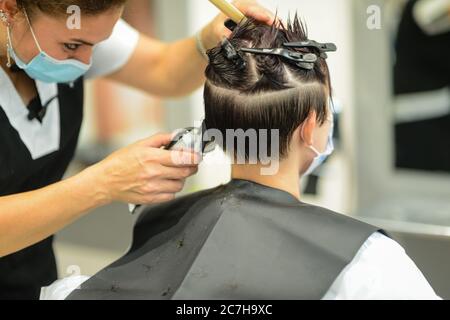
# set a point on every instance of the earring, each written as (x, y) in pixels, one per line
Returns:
(4, 18)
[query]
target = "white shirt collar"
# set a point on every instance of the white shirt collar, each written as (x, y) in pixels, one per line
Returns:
(40, 139)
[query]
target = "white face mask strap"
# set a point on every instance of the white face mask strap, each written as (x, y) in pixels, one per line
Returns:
(32, 31)
(315, 151)
(311, 146)
(8, 46)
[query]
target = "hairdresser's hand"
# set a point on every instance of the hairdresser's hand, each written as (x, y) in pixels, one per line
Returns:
(144, 173)
(214, 32)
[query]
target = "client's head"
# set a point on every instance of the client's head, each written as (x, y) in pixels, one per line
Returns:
(256, 93)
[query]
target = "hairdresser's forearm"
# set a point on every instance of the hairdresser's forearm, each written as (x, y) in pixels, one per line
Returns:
(28, 218)
(185, 64)
(164, 69)
(177, 69)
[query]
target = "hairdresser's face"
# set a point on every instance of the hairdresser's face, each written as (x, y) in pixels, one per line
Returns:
(57, 39)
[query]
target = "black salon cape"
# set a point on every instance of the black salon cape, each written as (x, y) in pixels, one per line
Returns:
(238, 241)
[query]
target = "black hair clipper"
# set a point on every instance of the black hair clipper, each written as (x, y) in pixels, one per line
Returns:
(192, 139)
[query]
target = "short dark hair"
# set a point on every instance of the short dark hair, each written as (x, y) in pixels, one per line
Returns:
(269, 92)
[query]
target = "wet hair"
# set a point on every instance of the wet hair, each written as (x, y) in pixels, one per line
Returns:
(266, 92)
(59, 7)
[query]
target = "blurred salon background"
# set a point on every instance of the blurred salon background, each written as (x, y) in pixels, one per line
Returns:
(391, 81)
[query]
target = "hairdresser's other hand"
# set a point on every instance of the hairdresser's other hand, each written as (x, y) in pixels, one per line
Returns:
(214, 32)
(143, 172)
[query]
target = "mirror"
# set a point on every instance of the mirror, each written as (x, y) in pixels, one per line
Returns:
(421, 85)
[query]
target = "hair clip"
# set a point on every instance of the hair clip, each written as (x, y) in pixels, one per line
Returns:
(232, 54)
(322, 47)
(302, 60)
(230, 24)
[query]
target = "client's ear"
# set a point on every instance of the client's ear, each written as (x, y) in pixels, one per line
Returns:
(306, 129)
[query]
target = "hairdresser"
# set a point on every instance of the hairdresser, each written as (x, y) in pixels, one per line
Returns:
(45, 55)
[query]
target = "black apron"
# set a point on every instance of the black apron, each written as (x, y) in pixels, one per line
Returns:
(238, 241)
(422, 65)
(22, 274)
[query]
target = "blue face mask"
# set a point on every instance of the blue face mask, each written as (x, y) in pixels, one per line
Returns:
(321, 157)
(48, 69)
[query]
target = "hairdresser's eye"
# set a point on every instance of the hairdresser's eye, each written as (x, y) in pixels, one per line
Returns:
(71, 46)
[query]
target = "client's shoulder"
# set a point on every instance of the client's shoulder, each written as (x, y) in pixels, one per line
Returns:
(336, 222)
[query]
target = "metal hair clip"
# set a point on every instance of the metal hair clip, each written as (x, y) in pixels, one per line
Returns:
(302, 60)
(322, 47)
(230, 25)
(232, 54)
